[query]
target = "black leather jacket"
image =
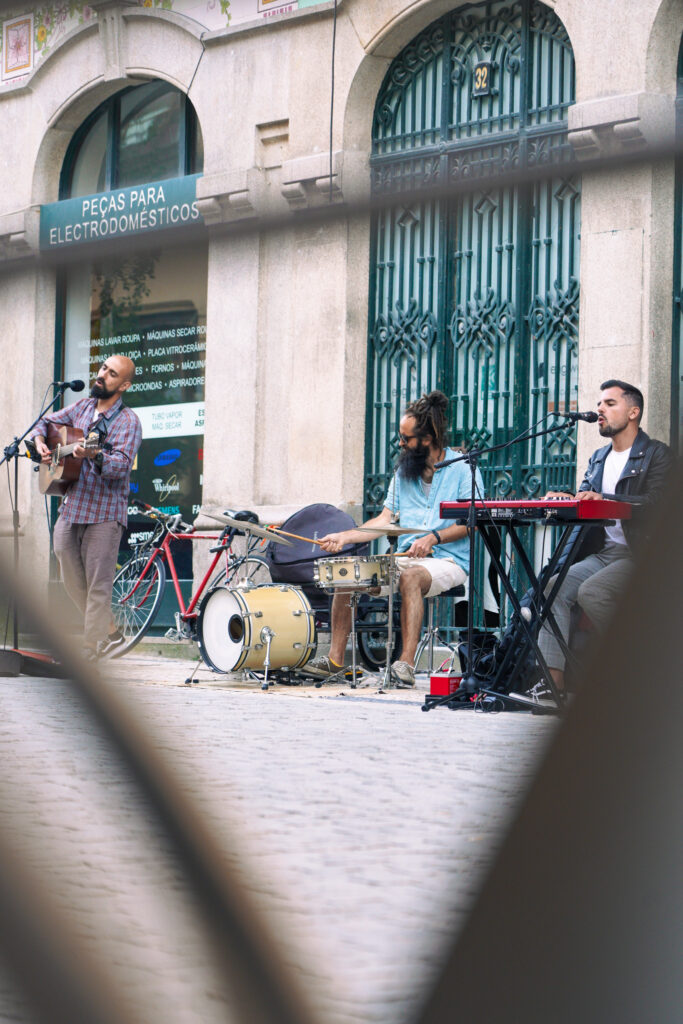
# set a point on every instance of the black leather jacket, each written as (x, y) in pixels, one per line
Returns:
(641, 483)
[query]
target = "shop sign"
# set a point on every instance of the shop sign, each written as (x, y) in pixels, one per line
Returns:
(120, 213)
(182, 420)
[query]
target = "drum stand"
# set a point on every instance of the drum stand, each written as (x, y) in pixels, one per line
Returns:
(267, 636)
(388, 684)
(353, 604)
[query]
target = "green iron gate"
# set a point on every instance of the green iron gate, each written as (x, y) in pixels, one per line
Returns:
(477, 295)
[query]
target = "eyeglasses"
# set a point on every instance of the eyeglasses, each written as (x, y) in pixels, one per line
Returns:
(404, 438)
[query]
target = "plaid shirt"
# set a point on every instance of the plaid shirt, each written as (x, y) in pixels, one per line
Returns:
(100, 494)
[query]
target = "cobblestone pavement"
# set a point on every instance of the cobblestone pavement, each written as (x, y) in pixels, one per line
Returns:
(363, 827)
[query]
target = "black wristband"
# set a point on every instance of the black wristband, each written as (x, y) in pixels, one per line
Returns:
(438, 538)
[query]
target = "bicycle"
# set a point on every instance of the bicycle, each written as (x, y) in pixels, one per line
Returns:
(139, 585)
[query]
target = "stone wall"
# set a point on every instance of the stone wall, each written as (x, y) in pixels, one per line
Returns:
(288, 299)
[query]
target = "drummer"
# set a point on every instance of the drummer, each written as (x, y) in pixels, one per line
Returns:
(435, 557)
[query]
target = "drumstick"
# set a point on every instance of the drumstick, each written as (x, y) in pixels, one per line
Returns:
(308, 540)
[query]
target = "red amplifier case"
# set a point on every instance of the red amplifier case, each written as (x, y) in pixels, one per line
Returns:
(444, 684)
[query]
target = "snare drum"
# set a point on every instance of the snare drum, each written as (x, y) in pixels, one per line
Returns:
(354, 572)
(233, 625)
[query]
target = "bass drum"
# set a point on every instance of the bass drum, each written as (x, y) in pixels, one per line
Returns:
(233, 627)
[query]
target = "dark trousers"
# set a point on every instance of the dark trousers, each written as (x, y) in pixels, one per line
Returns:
(87, 556)
(595, 583)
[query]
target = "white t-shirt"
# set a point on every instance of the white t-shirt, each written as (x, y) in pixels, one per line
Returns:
(614, 467)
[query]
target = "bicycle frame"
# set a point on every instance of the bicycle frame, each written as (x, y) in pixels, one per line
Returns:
(163, 550)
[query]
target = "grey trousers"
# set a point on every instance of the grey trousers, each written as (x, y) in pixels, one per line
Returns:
(87, 557)
(595, 584)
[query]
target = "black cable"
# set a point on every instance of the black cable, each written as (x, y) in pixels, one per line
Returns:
(50, 526)
(201, 40)
(334, 44)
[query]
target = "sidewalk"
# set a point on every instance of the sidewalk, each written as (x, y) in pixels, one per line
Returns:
(364, 826)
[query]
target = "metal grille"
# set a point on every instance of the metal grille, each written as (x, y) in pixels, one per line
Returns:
(478, 295)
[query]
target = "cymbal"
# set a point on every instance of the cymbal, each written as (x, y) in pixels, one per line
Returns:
(240, 524)
(391, 531)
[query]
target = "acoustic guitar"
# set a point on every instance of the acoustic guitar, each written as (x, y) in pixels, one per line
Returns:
(63, 469)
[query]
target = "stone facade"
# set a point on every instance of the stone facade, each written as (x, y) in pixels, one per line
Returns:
(288, 298)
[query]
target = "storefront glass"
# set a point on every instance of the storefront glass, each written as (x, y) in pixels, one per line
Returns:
(146, 133)
(150, 129)
(151, 306)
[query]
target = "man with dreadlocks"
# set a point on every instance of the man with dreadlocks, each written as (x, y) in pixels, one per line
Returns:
(436, 555)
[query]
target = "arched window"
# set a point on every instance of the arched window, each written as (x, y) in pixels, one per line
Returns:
(477, 295)
(145, 133)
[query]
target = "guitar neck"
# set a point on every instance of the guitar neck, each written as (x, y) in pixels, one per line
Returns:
(63, 450)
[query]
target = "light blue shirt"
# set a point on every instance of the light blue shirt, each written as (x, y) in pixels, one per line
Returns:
(421, 510)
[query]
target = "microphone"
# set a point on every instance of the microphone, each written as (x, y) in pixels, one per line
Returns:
(588, 417)
(65, 385)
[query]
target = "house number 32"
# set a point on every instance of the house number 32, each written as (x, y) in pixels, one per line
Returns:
(482, 78)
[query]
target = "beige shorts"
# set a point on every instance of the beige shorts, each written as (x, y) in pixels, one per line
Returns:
(445, 573)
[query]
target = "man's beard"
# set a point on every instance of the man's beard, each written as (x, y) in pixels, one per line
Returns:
(99, 390)
(412, 462)
(610, 429)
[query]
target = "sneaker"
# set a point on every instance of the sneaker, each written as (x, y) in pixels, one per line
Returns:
(322, 666)
(107, 648)
(404, 674)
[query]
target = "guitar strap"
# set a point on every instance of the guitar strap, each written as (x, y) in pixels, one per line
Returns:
(102, 426)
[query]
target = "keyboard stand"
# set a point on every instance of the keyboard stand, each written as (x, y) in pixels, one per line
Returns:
(514, 658)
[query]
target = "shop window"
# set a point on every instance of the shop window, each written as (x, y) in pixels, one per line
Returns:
(151, 306)
(147, 133)
(147, 303)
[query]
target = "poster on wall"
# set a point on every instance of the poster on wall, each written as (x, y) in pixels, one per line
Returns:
(17, 47)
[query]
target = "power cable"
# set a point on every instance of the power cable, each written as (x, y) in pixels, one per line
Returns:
(201, 40)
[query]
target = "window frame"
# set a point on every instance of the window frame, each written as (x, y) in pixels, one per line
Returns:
(188, 134)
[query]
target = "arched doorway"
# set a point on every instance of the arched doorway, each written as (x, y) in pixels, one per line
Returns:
(477, 295)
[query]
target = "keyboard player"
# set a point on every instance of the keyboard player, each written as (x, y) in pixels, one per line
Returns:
(633, 468)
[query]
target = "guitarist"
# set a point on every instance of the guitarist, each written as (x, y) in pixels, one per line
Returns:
(94, 511)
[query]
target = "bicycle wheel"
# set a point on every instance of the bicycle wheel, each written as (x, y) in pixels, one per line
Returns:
(135, 601)
(253, 570)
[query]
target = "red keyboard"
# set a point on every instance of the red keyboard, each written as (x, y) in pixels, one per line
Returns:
(558, 510)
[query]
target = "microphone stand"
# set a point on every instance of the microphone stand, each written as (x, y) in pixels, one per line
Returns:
(13, 661)
(470, 684)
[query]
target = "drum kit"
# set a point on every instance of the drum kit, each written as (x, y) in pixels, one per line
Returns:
(259, 628)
